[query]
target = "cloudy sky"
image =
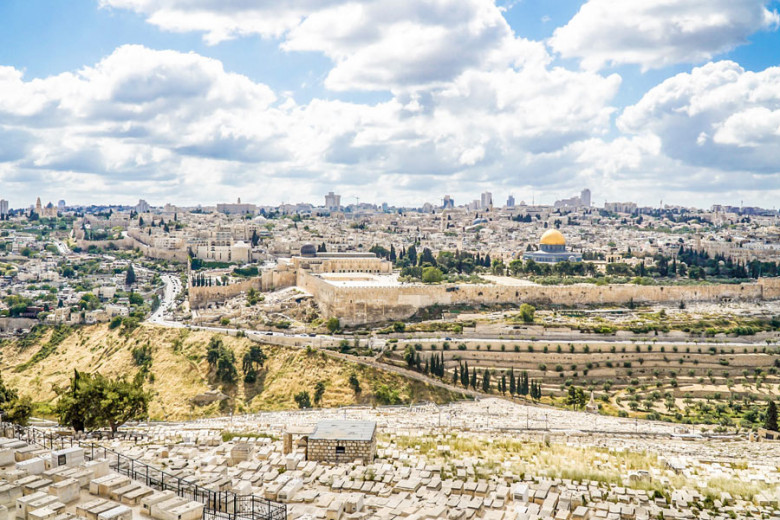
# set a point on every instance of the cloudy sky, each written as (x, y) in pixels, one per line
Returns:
(403, 101)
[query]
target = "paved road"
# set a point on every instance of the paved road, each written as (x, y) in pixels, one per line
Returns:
(167, 302)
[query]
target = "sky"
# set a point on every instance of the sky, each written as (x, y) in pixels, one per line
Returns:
(398, 101)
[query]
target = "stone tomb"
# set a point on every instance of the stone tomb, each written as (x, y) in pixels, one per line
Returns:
(342, 441)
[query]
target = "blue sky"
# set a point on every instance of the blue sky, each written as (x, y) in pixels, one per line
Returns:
(198, 101)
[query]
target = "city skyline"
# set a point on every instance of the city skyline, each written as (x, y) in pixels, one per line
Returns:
(188, 103)
(333, 202)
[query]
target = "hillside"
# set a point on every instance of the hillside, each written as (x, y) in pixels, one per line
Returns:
(179, 371)
(711, 382)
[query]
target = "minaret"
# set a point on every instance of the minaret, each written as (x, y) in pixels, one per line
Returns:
(38, 208)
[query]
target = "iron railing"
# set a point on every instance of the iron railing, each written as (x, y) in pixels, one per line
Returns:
(218, 505)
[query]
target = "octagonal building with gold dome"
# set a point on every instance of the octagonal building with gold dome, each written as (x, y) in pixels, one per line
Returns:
(552, 249)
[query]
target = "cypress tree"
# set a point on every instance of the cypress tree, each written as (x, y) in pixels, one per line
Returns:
(512, 383)
(770, 423)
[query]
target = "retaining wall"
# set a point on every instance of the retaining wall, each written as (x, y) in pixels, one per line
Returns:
(360, 305)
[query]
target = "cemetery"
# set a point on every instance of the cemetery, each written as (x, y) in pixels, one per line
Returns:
(488, 459)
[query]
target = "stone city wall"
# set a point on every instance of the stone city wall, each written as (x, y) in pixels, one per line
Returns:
(325, 450)
(771, 288)
(128, 242)
(14, 324)
(175, 255)
(360, 305)
(274, 279)
(202, 296)
(270, 280)
(122, 243)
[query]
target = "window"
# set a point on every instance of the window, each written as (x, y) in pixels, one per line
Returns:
(61, 460)
(340, 450)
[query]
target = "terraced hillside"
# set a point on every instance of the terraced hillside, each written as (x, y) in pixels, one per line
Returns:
(177, 370)
(635, 378)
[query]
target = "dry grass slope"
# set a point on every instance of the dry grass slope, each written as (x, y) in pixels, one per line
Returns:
(179, 371)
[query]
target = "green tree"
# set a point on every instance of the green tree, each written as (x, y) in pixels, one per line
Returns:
(333, 325)
(253, 359)
(354, 383)
(302, 399)
(410, 356)
(130, 275)
(486, 381)
(15, 409)
(135, 299)
(512, 382)
(222, 361)
(527, 313)
(319, 391)
(432, 275)
(770, 422)
(94, 401)
(576, 397)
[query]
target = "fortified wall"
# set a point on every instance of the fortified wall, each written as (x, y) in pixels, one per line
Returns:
(361, 305)
(128, 242)
(202, 296)
(122, 243)
(176, 255)
(270, 280)
(278, 278)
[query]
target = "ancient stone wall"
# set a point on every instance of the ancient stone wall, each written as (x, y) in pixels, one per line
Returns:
(14, 324)
(128, 242)
(201, 296)
(122, 243)
(321, 450)
(359, 305)
(278, 278)
(176, 255)
(771, 288)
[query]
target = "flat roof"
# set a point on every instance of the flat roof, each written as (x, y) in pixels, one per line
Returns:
(344, 431)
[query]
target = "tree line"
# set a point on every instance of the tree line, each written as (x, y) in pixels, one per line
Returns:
(505, 382)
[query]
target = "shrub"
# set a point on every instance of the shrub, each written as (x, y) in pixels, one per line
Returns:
(527, 313)
(302, 399)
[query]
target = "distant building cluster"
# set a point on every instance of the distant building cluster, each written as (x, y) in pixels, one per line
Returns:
(620, 207)
(581, 201)
(332, 201)
(238, 208)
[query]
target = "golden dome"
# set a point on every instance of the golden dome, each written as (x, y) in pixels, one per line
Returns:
(553, 237)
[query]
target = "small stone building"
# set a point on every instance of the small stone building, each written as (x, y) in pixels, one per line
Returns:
(342, 441)
(767, 435)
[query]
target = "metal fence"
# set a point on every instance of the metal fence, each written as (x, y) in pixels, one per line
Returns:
(218, 505)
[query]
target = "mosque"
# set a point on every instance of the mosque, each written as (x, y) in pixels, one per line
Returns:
(552, 249)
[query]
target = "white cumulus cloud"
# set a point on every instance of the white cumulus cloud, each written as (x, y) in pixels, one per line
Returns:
(657, 33)
(718, 116)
